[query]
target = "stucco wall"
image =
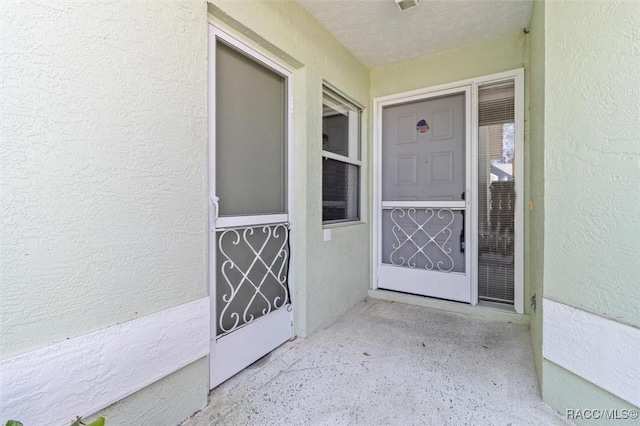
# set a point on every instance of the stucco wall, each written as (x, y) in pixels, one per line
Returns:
(168, 401)
(331, 276)
(592, 176)
(501, 54)
(103, 166)
(104, 169)
(564, 390)
(535, 241)
(592, 171)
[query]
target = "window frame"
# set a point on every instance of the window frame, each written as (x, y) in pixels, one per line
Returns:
(340, 102)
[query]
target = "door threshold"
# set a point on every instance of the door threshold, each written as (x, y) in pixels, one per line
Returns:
(496, 306)
(481, 311)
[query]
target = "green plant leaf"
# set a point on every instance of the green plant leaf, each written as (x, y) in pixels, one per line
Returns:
(97, 422)
(13, 423)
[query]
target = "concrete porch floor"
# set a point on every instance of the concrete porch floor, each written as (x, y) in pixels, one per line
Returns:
(387, 363)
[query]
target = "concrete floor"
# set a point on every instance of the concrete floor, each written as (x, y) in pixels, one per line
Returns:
(388, 363)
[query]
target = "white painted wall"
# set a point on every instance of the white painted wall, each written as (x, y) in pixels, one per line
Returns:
(103, 170)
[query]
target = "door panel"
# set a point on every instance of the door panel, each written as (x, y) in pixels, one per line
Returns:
(423, 220)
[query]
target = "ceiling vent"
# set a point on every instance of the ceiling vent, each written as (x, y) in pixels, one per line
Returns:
(407, 4)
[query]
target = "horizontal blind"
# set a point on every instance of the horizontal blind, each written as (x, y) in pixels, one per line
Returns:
(496, 104)
(496, 193)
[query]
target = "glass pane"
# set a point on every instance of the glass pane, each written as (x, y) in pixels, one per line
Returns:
(423, 150)
(340, 125)
(340, 188)
(250, 282)
(335, 129)
(431, 239)
(496, 193)
(250, 136)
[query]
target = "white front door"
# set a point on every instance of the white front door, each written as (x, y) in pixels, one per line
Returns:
(424, 206)
(249, 243)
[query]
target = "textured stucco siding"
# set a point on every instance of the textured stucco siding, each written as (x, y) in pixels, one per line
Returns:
(493, 56)
(564, 390)
(169, 401)
(592, 177)
(330, 277)
(104, 165)
(592, 152)
(103, 179)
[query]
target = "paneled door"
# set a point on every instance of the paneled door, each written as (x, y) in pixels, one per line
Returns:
(249, 239)
(424, 206)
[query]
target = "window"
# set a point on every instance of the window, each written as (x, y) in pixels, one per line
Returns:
(496, 192)
(340, 159)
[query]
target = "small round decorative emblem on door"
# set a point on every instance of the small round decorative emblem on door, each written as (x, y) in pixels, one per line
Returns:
(422, 126)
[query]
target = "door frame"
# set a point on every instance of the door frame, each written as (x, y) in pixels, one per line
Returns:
(218, 31)
(517, 75)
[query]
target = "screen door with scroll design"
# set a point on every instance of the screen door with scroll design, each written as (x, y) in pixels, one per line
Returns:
(425, 204)
(249, 239)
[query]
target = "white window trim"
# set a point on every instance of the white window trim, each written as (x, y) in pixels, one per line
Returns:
(517, 75)
(355, 146)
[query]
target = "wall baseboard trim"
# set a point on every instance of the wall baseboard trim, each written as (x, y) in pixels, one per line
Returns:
(600, 350)
(85, 374)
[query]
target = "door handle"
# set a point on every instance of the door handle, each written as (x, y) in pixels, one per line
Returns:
(214, 208)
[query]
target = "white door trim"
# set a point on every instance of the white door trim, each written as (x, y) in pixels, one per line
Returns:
(230, 37)
(455, 87)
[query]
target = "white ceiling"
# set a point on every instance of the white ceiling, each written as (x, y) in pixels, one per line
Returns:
(378, 33)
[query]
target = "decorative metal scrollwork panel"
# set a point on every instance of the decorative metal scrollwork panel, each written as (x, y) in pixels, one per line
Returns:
(423, 238)
(252, 274)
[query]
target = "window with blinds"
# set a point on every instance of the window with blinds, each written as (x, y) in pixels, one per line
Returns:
(496, 192)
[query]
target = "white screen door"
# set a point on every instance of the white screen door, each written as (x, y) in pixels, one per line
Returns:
(424, 211)
(249, 215)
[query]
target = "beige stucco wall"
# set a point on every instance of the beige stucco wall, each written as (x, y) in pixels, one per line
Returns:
(592, 174)
(535, 241)
(104, 170)
(329, 277)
